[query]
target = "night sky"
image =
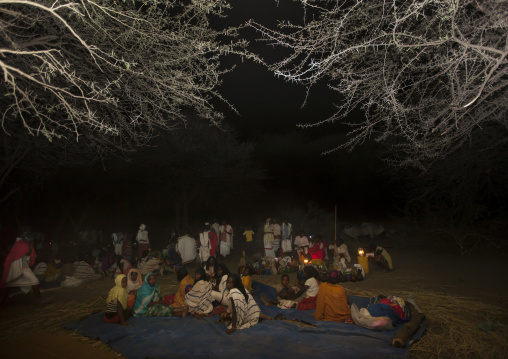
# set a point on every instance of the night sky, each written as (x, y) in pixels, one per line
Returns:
(296, 172)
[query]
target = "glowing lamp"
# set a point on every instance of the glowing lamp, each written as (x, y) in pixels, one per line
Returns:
(361, 252)
(305, 261)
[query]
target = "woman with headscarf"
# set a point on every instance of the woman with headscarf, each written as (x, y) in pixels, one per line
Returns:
(143, 241)
(17, 272)
(134, 281)
(123, 266)
(332, 301)
(186, 282)
(243, 309)
(150, 304)
(220, 292)
(199, 299)
(116, 303)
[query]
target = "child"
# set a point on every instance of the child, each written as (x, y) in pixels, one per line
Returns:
(247, 279)
(134, 282)
(199, 299)
(305, 298)
(249, 242)
(284, 290)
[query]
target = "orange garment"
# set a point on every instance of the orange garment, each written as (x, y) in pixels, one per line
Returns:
(131, 299)
(332, 303)
(247, 283)
(180, 295)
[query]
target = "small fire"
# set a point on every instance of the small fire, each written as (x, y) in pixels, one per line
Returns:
(361, 252)
(305, 261)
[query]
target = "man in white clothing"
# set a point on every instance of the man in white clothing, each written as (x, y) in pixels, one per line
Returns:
(268, 239)
(301, 243)
(277, 235)
(286, 236)
(117, 243)
(226, 239)
(186, 248)
(204, 240)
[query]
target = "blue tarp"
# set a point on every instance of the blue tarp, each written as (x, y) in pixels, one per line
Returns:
(205, 338)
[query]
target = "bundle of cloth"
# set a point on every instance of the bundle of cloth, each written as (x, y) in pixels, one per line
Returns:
(383, 313)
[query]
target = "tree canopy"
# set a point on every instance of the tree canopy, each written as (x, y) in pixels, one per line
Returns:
(428, 74)
(107, 72)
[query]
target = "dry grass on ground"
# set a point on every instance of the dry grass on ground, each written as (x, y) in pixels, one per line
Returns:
(452, 330)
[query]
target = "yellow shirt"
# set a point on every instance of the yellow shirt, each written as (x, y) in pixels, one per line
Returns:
(248, 235)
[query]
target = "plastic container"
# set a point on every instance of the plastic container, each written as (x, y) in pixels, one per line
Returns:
(364, 262)
(267, 271)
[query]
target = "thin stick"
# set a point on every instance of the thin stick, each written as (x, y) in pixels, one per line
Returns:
(335, 236)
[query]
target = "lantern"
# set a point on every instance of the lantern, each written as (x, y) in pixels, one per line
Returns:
(361, 252)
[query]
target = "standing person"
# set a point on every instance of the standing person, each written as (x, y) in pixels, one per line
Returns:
(17, 272)
(216, 227)
(204, 240)
(268, 239)
(127, 247)
(249, 242)
(143, 241)
(287, 230)
(226, 239)
(186, 248)
(213, 242)
(277, 235)
(118, 243)
(302, 243)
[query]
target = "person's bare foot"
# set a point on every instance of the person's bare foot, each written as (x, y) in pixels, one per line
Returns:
(266, 301)
(264, 317)
(184, 311)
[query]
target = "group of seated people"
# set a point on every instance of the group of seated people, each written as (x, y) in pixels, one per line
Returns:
(195, 296)
(214, 285)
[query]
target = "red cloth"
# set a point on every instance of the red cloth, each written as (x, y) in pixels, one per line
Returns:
(395, 307)
(19, 249)
(316, 252)
(169, 299)
(213, 242)
(308, 303)
(113, 320)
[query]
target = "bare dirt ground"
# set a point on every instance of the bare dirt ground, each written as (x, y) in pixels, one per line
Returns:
(477, 283)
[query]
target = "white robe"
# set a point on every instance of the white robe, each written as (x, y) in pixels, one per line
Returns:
(199, 299)
(117, 243)
(286, 237)
(20, 275)
(225, 247)
(247, 312)
(186, 248)
(204, 249)
(268, 240)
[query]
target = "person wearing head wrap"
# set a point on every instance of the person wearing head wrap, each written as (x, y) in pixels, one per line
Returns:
(143, 241)
(186, 283)
(17, 272)
(268, 239)
(134, 281)
(332, 301)
(199, 299)
(116, 303)
(149, 302)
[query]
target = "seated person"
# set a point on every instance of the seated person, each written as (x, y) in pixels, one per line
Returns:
(221, 291)
(211, 269)
(123, 266)
(186, 282)
(247, 279)
(83, 270)
(243, 309)
(332, 301)
(148, 265)
(199, 299)
(305, 298)
(116, 303)
(381, 257)
(317, 249)
(54, 271)
(284, 290)
(149, 303)
(133, 283)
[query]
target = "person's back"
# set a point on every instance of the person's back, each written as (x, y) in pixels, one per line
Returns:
(332, 301)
